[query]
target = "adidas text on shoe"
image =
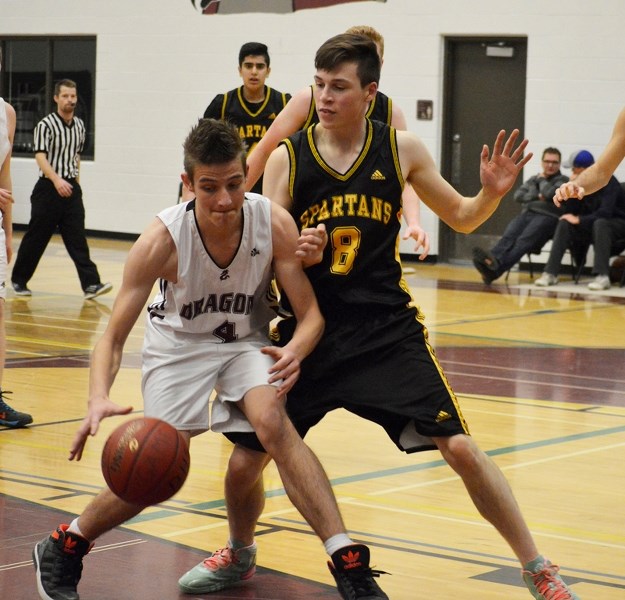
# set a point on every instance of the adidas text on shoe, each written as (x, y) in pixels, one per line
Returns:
(97, 289)
(544, 583)
(9, 417)
(219, 571)
(546, 280)
(21, 290)
(354, 579)
(58, 562)
(600, 282)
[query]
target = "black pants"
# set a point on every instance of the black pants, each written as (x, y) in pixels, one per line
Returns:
(568, 237)
(50, 211)
(605, 232)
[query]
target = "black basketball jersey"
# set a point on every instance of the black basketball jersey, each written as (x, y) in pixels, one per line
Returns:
(361, 209)
(252, 118)
(380, 109)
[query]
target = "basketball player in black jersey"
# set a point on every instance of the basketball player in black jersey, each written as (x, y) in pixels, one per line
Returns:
(342, 180)
(301, 113)
(253, 106)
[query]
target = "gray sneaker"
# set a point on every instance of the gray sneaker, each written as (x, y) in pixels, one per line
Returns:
(21, 290)
(58, 562)
(544, 583)
(546, 280)
(600, 282)
(219, 571)
(97, 289)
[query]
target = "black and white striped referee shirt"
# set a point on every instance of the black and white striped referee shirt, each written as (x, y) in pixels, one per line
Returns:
(61, 142)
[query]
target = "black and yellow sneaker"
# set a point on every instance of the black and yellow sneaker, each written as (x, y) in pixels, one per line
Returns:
(58, 561)
(354, 578)
(9, 417)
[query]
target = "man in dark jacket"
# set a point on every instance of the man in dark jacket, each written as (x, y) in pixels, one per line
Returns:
(532, 228)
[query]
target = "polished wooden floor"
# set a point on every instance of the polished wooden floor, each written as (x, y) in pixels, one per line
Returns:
(541, 379)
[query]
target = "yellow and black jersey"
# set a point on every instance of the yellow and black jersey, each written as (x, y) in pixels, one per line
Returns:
(251, 118)
(361, 210)
(380, 109)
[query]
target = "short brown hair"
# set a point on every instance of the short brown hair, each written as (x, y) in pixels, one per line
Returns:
(212, 142)
(347, 47)
(63, 83)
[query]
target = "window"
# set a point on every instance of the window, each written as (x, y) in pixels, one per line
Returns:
(30, 68)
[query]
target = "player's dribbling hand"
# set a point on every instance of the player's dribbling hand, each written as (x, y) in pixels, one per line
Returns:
(421, 238)
(311, 243)
(566, 191)
(286, 367)
(90, 424)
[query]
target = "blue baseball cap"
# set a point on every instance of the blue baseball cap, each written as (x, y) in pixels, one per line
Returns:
(579, 159)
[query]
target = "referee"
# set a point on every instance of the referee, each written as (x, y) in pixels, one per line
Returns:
(56, 200)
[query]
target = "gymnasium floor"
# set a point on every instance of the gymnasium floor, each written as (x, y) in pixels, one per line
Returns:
(540, 377)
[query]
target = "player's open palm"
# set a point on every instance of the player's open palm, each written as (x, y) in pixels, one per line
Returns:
(98, 410)
(499, 171)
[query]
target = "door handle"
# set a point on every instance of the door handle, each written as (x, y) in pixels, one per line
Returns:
(456, 158)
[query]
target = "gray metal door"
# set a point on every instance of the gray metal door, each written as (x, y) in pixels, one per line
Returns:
(484, 91)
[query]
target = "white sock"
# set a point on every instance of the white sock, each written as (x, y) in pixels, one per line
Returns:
(336, 542)
(74, 528)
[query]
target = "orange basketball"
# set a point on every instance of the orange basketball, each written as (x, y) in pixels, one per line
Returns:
(145, 461)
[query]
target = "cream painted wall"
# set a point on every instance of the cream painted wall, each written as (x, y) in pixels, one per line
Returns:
(159, 62)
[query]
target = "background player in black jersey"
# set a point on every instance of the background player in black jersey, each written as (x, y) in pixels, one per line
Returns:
(342, 180)
(253, 106)
(301, 113)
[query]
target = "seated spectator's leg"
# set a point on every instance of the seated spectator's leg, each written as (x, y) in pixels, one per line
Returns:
(512, 231)
(537, 231)
(488, 263)
(561, 242)
(604, 233)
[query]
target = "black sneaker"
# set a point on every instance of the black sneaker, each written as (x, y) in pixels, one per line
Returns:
(354, 578)
(97, 289)
(10, 417)
(58, 561)
(21, 290)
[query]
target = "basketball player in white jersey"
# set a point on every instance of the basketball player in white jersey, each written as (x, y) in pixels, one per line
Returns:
(207, 329)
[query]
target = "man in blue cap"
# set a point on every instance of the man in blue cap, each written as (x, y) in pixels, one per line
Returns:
(579, 231)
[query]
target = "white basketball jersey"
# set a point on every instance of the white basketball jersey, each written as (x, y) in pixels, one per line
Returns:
(223, 304)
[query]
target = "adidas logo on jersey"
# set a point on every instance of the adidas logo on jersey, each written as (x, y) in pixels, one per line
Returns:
(442, 416)
(377, 176)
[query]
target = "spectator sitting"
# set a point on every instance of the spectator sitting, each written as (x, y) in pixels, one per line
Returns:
(592, 226)
(533, 227)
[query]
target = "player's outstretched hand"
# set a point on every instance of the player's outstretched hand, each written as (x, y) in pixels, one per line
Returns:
(90, 424)
(566, 191)
(311, 243)
(499, 171)
(286, 367)
(421, 238)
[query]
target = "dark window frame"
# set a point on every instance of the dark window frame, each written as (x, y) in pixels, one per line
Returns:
(32, 106)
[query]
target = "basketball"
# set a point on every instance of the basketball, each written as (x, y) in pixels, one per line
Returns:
(145, 461)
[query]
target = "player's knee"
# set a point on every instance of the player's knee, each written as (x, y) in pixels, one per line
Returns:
(460, 452)
(245, 465)
(273, 429)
